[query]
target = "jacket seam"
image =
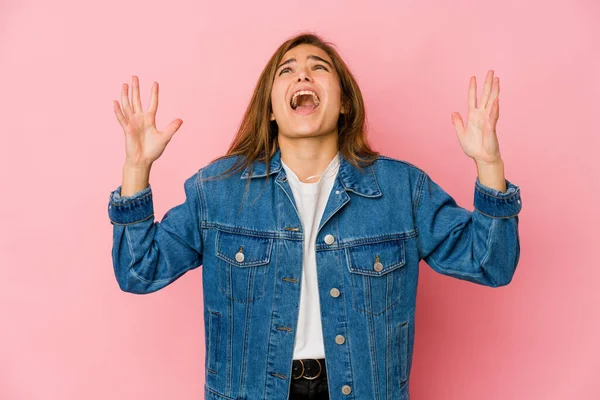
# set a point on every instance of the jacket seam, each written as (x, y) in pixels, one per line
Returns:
(497, 217)
(203, 209)
(372, 352)
(130, 249)
(419, 191)
(201, 198)
(461, 273)
(488, 250)
(407, 163)
(416, 205)
(131, 223)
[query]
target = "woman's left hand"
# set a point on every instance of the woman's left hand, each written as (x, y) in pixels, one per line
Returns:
(478, 138)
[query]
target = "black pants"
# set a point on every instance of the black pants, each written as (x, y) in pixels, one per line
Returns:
(310, 389)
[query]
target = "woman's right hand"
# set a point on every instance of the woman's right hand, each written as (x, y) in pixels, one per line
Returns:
(143, 142)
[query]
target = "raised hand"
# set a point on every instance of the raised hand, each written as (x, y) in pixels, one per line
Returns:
(143, 142)
(478, 138)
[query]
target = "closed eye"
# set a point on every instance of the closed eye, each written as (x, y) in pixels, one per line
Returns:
(287, 69)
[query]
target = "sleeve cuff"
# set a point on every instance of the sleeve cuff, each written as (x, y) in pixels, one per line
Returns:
(124, 210)
(495, 203)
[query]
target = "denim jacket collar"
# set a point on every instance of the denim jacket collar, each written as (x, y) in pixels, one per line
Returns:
(363, 183)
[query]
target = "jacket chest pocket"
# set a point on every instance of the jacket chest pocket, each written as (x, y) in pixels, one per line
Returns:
(243, 264)
(376, 274)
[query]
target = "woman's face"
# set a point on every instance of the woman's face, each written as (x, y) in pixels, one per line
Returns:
(306, 93)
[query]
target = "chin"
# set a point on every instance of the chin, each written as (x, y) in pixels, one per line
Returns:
(302, 133)
(308, 127)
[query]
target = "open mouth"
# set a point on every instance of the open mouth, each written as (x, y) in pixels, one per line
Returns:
(305, 101)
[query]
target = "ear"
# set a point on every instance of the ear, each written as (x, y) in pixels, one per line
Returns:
(342, 109)
(272, 117)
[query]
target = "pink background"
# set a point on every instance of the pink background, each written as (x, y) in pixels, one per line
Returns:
(69, 332)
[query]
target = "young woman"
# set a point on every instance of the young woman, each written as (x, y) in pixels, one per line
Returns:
(309, 240)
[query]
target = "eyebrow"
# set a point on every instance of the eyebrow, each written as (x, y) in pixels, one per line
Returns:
(309, 57)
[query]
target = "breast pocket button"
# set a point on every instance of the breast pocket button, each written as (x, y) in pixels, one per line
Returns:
(378, 266)
(329, 239)
(239, 256)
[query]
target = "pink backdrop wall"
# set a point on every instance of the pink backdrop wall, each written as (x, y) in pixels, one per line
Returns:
(68, 332)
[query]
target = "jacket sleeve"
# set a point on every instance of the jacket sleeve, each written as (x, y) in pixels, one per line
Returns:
(149, 255)
(480, 246)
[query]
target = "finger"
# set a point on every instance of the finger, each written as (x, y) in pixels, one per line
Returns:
(487, 89)
(458, 123)
(153, 106)
(172, 128)
(125, 101)
(472, 98)
(119, 114)
(137, 102)
(495, 112)
(494, 94)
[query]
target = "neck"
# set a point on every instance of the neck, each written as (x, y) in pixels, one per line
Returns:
(308, 157)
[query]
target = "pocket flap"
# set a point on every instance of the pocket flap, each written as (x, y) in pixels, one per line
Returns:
(376, 259)
(243, 250)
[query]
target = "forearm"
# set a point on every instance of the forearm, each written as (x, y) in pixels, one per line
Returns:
(135, 178)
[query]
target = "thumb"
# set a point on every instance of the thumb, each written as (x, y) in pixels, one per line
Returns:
(458, 123)
(172, 128)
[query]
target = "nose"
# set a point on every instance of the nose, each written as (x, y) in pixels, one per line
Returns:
(303, 75)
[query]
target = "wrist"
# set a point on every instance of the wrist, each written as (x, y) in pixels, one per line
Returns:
(491, 174)
(497, 163)
(137, 166)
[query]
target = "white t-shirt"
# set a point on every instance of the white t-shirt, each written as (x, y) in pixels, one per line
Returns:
(311, 199)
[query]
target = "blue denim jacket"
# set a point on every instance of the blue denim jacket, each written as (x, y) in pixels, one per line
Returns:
(377, 225)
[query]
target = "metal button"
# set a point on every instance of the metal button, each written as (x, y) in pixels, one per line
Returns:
(239, 256)
(346, 389)
(329, 239)
(335, 292)
(337, 192)
(340, 339)
(378, 266)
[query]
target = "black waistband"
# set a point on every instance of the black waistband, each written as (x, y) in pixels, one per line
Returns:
(308, 368)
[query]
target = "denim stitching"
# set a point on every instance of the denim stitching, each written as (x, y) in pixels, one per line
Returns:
(506, 197)
(129, 201)
(497, 217)
(131, 223)
(461, 273)
(130, 249)
(489, 249)
(373, 356)
(416, 204)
